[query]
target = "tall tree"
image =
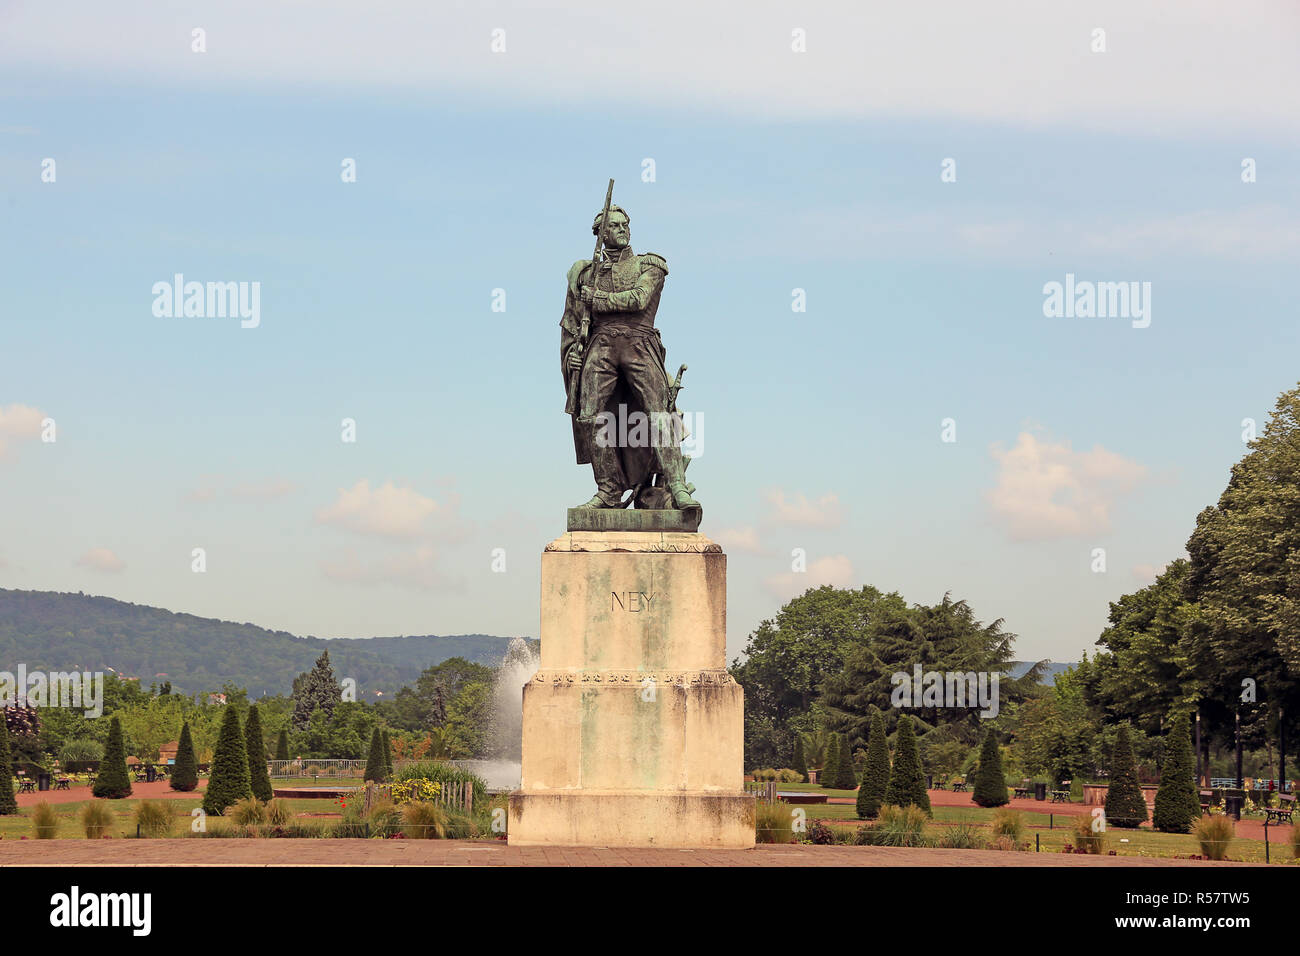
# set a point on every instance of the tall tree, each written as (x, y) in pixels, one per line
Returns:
(185, 773)
(318, 689)
(112, 780)
(789, 658)
(875, 774)
(1244, 579)
(945, 638)
(230, 780)
(282, 746)
(1125, 807)
(1177, 804)
(255, 744)
(990, 780)
(907, 780)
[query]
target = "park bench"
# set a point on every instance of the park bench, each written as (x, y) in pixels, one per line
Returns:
(1207, 798)
(1282, 812)
(1026, 789)
(959, 786)
(63, 783)
(1062, 795)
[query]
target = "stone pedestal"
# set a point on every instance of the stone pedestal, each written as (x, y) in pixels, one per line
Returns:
(633, 729)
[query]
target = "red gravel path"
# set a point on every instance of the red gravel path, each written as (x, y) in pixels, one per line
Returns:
(188, 852)
(158, 790)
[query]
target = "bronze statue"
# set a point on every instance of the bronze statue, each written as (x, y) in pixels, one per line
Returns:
(624, 407)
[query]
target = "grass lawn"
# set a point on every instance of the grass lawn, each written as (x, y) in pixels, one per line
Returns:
(1053, 840)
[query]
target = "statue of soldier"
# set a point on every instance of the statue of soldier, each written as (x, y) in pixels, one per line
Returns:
(619, 370)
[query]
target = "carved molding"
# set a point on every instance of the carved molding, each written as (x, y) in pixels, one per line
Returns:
(635, 678)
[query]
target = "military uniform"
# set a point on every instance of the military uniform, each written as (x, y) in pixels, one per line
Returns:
(623, 364)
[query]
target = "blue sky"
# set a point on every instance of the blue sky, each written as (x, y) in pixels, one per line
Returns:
(774, 170)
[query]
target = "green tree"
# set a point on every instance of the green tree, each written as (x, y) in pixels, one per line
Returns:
(800, 764)
(468, 719)
(875, 775)
(230, 781)
(255, 744)
(112, 781)
(376, 772)
(789, 658)
(8, 802)
(185, 773)
(388, 755)
(1177, 804)
(907, 781)
(990, 781)
(1055, 734)
(944, 638)
(282, 746)
(318, 689)
(1125, 807)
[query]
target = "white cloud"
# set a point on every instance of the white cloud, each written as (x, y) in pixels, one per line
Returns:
(101, 559)
(1046, 490)
(835, 570)
(1191, 68)
(825, 512)
(388, 511)
(18, 423)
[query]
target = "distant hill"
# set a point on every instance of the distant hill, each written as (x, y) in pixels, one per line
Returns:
(48, 630)
(1018, 668)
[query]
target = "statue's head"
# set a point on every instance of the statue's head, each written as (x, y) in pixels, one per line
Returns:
(617, 231)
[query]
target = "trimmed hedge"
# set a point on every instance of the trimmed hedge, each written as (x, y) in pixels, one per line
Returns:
(230, 781)
(258, 774)
(185, 772)
(907, 782)
(1125, 807)
(1178, 805)
(113, 783)
(990, 781)
(875, 775)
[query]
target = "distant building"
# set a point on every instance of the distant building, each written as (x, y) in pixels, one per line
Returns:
(167, 752)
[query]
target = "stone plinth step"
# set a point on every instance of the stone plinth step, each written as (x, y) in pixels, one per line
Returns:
(632, 519)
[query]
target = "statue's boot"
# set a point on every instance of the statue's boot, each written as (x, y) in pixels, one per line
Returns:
(683, 501)
(598, 502)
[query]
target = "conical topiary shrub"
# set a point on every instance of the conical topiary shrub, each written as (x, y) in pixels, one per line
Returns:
(875, 775)
(282, 746)
(1125, 807)
(185, 774)
(8, 802)
(990, 780)
(230, 781)
(1178, 805)
(907, 781)
(830, 763)
(112, 781)
(375, 769)
(259, 777)
(800, 763)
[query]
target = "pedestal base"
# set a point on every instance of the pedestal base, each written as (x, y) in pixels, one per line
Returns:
(631, 819)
